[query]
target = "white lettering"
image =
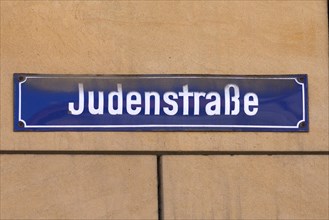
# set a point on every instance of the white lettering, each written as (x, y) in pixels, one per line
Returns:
(234, 98)
(152, 102)
(174, 105)
(185, 94)
(251, 100)
(72, 110)
(118, 94)
(91, 107)
(215, 103)
(197, 96)
(148, 103)
(133, 98)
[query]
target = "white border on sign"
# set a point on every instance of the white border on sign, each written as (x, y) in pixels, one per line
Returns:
(158, 125)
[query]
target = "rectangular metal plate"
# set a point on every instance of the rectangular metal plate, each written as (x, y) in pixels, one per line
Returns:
(45, 102)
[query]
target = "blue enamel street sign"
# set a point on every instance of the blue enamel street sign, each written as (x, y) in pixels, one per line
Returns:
(45, 102)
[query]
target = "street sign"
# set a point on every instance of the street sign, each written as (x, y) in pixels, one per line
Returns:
(47, 102)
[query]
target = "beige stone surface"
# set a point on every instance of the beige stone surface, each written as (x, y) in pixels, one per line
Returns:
(78, 187)
(144, 37)
(245, 187)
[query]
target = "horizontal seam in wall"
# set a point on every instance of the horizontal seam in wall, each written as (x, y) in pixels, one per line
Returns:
(164, 153)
